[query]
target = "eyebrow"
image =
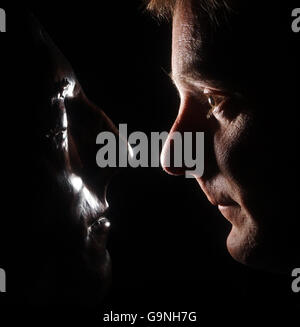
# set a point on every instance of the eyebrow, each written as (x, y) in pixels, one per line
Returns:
(194, 81)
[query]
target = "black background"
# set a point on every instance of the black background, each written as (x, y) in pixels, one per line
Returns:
(167, 242)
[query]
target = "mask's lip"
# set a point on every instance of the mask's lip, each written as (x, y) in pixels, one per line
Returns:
(101, 224)
(94, 217)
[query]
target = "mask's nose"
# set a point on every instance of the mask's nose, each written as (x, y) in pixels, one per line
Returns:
(86, 121)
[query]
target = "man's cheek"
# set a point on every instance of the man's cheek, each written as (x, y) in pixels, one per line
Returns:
(231, 145)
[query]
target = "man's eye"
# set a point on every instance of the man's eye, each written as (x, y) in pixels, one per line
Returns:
(214, 101)
(211, 101)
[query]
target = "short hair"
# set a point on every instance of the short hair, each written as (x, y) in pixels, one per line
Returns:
(240, 25)
(165, 8)
(161, 8)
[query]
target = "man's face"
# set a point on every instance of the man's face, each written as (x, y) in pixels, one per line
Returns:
(223, 79)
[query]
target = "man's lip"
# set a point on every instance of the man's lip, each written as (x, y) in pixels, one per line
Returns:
(226, 206)
(229, 210)
(216, 193)
(221, 201)
(227, 203)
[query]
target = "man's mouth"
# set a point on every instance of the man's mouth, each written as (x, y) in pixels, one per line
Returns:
(229, 208)
(221, 200)
(230, 211)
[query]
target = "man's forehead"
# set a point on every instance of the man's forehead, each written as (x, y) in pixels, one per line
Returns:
(221, 55)
(185, 42)
(189, 59)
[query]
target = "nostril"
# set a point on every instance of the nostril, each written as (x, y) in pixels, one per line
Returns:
(171, 157)
(174, 171)
(183, 153)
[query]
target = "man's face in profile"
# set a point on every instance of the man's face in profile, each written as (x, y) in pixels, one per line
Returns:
(226, 70)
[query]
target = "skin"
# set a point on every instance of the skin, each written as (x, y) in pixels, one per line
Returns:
(224, 87)
(62, 241)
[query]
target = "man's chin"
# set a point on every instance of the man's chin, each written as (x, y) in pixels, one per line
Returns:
(242, 244)
(247, 247)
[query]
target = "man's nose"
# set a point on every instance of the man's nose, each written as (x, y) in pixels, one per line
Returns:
(191, 118)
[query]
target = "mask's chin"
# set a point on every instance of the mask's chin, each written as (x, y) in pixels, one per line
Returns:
(93, 213)
(72, 254)
(99, 259)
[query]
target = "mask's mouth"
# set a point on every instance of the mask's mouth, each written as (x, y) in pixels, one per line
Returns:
(99, 231)
(102, 223)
